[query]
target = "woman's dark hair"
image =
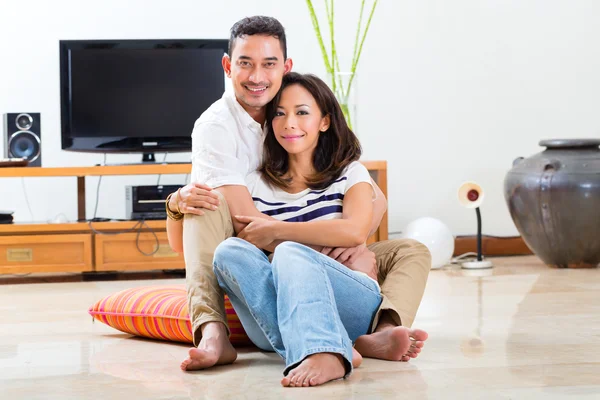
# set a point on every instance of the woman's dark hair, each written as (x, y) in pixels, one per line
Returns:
(258, 25)
(336, 148)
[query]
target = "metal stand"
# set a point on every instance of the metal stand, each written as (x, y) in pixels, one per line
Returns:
(479, 264)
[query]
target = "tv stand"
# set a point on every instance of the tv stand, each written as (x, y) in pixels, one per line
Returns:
(81, 246)
(148, 157)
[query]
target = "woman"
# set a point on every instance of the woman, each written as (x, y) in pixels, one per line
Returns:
(304, 305)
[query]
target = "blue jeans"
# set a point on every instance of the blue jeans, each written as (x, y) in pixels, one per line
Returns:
(301, 303)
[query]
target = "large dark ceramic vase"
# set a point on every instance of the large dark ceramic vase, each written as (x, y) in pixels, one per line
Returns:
(554, 200)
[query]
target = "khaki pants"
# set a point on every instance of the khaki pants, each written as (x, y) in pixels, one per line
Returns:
(403, 265)
(201, 236)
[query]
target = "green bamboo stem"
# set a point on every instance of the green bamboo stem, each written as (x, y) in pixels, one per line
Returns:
(355, 61)
(360, 17)
(333, 64)
(315, 22)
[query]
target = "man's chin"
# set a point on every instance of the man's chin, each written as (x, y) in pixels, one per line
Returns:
(255, 103)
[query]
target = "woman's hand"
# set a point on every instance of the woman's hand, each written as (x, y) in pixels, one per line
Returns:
(259, 231)
(194, 198)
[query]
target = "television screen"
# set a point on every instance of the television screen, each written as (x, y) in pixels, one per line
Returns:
(137, 96)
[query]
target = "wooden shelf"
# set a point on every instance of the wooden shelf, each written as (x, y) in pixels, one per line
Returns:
(153, 169)
(70, 227)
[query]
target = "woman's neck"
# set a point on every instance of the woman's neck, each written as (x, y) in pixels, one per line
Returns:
(300, 167)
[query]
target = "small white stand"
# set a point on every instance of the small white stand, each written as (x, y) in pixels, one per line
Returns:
(477, 264)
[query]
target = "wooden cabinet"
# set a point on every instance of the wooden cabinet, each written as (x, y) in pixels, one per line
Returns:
(45, 253)
(133, 251)
(82, 247)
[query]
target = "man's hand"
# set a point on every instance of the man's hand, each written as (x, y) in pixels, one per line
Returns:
(358, 258)
(344, 255)
(259, 231)
(194, 198)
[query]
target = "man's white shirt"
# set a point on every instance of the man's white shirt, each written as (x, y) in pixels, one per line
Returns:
(227, 144)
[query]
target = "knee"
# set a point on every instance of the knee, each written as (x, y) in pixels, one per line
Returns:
(228, 253)
(418, 248)
(293, 257)
(286, 247)
(414, 250)
(289, 250)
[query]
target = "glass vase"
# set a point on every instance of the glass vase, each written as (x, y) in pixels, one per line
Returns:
(344, 86)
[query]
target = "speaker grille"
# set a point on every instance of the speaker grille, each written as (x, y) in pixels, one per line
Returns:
(24, 144)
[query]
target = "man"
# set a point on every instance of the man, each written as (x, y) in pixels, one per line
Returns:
(227, 145)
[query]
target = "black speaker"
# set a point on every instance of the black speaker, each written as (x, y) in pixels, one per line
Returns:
(22, 137)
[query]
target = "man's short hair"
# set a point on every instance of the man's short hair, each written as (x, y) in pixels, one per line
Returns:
(258, 25)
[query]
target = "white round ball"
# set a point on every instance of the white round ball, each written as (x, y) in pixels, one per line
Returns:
(434, 234)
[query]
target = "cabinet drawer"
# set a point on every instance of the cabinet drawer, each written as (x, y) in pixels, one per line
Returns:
(121, 252)
(45, 253)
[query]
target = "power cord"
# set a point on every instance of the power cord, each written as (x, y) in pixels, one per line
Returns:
(139, 226)
(159, 175)
(27, 199)
(98, 191)
(470, 256)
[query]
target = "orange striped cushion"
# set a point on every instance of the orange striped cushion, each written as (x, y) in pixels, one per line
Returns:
(157, 312)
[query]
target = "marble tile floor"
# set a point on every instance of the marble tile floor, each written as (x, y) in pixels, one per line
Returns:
(519, 331)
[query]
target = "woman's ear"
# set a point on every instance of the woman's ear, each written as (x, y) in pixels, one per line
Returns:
(325, 122)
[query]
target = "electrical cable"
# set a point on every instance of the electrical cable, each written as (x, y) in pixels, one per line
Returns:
(27, 198)
(98, 191)
(138, 227)
(159, 175)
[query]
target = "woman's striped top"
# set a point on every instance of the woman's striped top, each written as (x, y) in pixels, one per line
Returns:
(307, 205)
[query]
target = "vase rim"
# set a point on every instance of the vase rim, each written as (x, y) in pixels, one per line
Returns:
(569, 143)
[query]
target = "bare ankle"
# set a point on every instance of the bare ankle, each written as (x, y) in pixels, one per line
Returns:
(213, 329)
(385, 322)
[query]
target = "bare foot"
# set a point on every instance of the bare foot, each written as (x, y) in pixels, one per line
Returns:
(396, 343)
(315, 370)
(214, 349)
(415, 347)
(356, 358)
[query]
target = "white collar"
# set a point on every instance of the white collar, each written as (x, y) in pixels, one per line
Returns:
(245, 118)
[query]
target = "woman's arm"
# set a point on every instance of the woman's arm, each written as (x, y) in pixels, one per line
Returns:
(379, 208)
(352, 230)
(175, 235)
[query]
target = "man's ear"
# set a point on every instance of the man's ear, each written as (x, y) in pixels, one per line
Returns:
(287, 66)
(226, 62)
(325, 123)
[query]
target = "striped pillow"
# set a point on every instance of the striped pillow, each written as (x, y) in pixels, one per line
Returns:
(157, 312)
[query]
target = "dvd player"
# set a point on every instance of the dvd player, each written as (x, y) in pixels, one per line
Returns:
(147, 202)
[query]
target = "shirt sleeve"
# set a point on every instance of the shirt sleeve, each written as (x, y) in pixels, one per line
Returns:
(214, 159)
(357, 173)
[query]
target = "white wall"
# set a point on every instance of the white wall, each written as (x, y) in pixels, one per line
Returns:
(450, 90)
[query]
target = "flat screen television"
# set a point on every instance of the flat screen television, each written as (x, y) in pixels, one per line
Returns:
(124, 96)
